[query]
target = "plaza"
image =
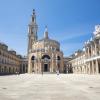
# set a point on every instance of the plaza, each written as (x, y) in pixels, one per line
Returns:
(50, 87)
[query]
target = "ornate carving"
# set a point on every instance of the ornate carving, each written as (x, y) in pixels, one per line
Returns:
(97, 30)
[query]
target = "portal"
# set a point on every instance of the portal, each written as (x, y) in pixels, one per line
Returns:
(45, 67)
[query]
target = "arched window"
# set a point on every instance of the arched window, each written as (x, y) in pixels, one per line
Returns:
(0, 53)
(0, 68)
(58, 58)
(9, 70)
(45, 56)
(5, 69)
(33, 58)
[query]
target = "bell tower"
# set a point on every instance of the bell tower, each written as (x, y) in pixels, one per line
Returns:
(32, 32)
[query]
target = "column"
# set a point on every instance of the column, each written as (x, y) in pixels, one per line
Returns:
(97, 69)
(52, 64)
(91, 50)
(95, 48)
(89, 69)
(86, 69)
(52, 60)
(29, 66)
(88, 53)
(40, 67)
(92, 67)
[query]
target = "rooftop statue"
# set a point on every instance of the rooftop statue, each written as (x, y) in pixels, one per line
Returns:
(97, 30)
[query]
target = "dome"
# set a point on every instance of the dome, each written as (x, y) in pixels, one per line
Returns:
(46, 44)
(47, 39)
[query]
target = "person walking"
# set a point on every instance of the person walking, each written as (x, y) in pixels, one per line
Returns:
(57, 72)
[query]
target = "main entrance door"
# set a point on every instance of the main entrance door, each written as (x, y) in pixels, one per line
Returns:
(46, 63)
(45, 67)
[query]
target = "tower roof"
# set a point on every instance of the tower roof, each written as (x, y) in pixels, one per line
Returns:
(33, 17)
(33, 11)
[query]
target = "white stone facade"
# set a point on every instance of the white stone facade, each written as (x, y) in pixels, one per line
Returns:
(43, 55)
(88, 61)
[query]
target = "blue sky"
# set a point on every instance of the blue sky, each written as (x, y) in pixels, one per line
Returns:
(71, 22)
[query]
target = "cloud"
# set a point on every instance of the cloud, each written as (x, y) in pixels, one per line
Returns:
(63, 36)
(70, 48)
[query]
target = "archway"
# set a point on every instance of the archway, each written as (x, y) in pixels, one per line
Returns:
(45, 56)
(46, 63)
(58, 62)
(33, 58)
(45, 67)
(9, 70)
(32, 61)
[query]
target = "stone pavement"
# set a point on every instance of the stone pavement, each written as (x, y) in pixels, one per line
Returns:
(50, 87)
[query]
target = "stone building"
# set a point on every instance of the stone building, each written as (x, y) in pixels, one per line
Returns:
(88, 60)
(24, 64)
(92, 52)
(78, 62)
(9, 60)
(68, 65)
(44, 55)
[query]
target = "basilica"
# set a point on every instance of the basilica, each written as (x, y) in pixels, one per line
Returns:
(44, 55)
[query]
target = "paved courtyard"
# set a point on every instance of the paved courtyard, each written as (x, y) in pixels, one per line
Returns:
(50, 87)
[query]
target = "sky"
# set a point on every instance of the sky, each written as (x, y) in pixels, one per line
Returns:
(71, 22)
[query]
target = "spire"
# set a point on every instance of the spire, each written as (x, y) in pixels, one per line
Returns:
(33, 11)
(46, 32)
(32, 31)
(33, 16)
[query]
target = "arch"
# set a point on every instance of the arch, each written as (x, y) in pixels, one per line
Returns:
(58, 63)
(5, 69)
(33, 57)
(0, 68)
(46, 63)
(9, 70)
(23, 68)
(32, 62)
(45, 56)
(16, 69)
(13, 70)
(58, 58)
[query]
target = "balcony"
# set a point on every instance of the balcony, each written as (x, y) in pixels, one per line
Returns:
(94, 57)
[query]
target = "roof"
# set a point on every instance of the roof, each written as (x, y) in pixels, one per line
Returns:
(48, 40)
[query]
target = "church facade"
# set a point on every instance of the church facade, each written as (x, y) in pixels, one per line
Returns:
(44, 55)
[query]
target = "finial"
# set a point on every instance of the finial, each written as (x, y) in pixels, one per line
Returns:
(46, 28)
(46, 32)
(33, 11)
